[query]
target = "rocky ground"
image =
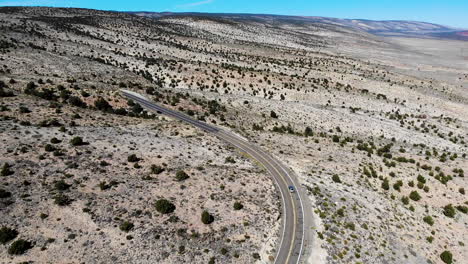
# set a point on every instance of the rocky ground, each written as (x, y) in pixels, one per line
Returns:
(375, 128)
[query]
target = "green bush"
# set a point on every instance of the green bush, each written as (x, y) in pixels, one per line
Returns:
(414, 195)
(61, 185)
(462, 209)
(6, 171)
(385, 185)
(77, 141)
(238, 206)
(336, 138)
(273, 114)
(103, 105)
(446, 257)
(181, 176)
(308, 132)
(62, 200)
(133, 158)
(155, 169)
(206, 218)
(4, 194)
(428, 219)
(405, 200)
(126, 226)
(54, 140)
(449, 211)
(76, 101)
(19, 247)
(336, 178)
(164, 206)
(7, 234)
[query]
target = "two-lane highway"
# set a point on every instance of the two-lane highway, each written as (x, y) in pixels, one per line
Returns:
(294, 235)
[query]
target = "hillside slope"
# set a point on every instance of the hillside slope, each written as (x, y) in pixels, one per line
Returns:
(375, 128)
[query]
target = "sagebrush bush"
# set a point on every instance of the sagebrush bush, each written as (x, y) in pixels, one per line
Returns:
(181, 176)
(414, 195)
(19, 247)
(238, 206)
(446, 257)
(126, 226)
(164, 206)
(77, 141)
(206, 218)
(7, 234)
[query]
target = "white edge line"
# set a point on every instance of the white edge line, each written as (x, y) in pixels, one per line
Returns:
(303, 218)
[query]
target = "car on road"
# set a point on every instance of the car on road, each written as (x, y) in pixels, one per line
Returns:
(291, 188)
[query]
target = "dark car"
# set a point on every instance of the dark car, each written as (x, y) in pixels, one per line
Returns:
(291, 188)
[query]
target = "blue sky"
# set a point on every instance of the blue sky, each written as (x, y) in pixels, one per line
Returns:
(446, 12)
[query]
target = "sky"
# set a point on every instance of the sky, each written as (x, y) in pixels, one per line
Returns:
(446, 12)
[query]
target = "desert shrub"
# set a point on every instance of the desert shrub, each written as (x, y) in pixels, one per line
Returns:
(24, 110)
(230, 160)
(385, 184)
(462, 209)
(77, 141)
(55, 141)
(421, 179)
(206, 218)
(181, 176)
(164, 206)
(7, 234)
(446, 257)
(449, 211)
(256, 256)
(61, 185)
(336, 138)
(62, 200)
(398, 185)
(30, 88)
(428, 219)
(4, 194)
(405, 200)
(126, 226)
(461, 190)
(212, 260)
(19, 247)
(103, 105)
(238, 206)
(4, 93)
(155, 169)
(76, 101)
(336, 178)
(6, 170)
(308, 132)
(273, 114)
(120, 111)
(133, 158)
(414, 195)
(49, 148)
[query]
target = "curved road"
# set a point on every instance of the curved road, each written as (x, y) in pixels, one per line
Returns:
(295, 236)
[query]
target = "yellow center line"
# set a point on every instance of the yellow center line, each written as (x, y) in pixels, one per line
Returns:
(284, 181)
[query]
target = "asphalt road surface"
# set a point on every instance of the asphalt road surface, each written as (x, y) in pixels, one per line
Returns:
(294, 235)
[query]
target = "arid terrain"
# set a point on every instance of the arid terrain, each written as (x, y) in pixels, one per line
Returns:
(375, 127)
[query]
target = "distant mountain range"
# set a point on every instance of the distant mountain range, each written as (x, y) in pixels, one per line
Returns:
(382, 28)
